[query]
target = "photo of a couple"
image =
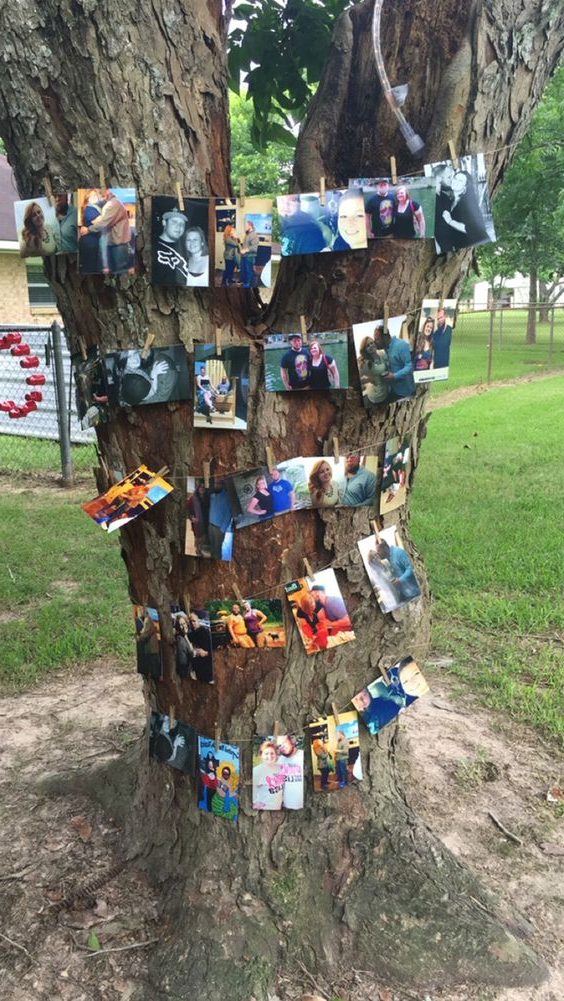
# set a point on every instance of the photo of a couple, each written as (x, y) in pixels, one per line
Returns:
(401, 211)
(221, 391)
(250, 625)
(179, 244)
(261, 494)
(218, 778)
(349, 481)
(463, 214)
(193, 645)
(381, 702)
(160, 377)
(243, 242)
(319, 611)
(137, 493)
(278, 772)
(174, 745)
(294, 362)
(148, 642)
(106, 230)
(308, 227)
(395, 473)
(389, 569)
(335, 751)
(209, 519)
(385, 365)
(431, 357)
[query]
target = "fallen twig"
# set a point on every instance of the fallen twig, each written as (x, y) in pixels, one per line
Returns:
(508, 834)
(121, 948)
(20, 874)
(22, 948)
(12, 578)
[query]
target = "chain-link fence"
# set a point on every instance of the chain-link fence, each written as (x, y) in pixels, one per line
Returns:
(46, 437)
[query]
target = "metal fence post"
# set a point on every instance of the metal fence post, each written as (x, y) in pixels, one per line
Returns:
(62, 410)
(551, 342)
(490, 346)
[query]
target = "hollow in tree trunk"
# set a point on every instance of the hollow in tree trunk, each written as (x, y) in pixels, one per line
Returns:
(142, 90)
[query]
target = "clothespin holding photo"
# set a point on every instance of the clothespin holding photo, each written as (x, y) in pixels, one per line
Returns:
(218, 341)
(335, 712)
(207, 467)
(322, 191)
(242, 190)
(270, 459)
(376, 528)
(147, 346)
(303, 328)
(441, 302)
(217, 737)
(186, 602)
(102, 177)
(162, 472)
(453, 154)
(172, 717)
(336, 447)
(237, 593)
(385, 675)
(386, 316)
(82, 348)
(393, 170)
(308, 570)
(277, 728)
(179, 197)
(49, 191)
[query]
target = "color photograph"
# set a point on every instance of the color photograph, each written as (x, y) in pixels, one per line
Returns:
(395, 473)
(44, 229)
(193, 644)
(254, 624)
(402, 211)
(319, 611)
(148, 642)
(221, 387)
(173, 745)
(349, 481)
(381, 702)
(463, 212)
(243, 242)
(389, 569)
(384, 361)
(180, 242)
(431, 355)
(278, 772)
(161, 377)
(318, 362)
(106, 231)
(126, 500)
(209, 519)
(308, 227)
(261, 494)
(218, 779)
(335, 752)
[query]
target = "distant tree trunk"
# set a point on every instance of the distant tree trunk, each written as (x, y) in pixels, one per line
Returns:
(533, 299)
(142, 90)
(544, 297)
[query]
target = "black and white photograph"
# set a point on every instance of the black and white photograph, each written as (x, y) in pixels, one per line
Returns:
(221, 391)
(463, 213)
(243, 242)
(384, 361)
(175, 745)
(309, 227)
(180, 242)
(431, 355)
(161, 377)
(91, 388)
(193, 643)
(402, 211)
(389, 569)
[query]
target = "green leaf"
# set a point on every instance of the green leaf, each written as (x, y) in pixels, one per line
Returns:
(93, 942)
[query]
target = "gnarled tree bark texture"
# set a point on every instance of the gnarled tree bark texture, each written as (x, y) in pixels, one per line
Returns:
(139, 86)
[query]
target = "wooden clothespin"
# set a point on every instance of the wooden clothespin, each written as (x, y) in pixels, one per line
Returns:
(277, 728)
(441, 302)
(179, 197)
(82, 348)
(385, 675)
(269, 459)
(147, 345)
(49, 191)
(207, 467)
(386, 316)
(453, 154)
(102, 177)
(303, 327)
(186, 600)
(237, 593)
(172, 717)
(404, 331)
(322, 191)
(393, 170)
(217, 737)
(162, 472)
(336, 447)
(242, 189)
(376, 528)
(308, 570)
(218, 341)
(335, 712)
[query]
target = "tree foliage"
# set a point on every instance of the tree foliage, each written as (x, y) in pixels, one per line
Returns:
(266, 172)
(281, 51)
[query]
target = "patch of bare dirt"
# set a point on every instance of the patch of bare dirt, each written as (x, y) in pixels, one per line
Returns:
(449, 399)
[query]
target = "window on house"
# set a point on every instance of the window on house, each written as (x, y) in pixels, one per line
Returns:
(38, 288)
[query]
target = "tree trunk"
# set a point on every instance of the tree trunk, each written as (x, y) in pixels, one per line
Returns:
(143, 91)
(544, 296)
(533, 299)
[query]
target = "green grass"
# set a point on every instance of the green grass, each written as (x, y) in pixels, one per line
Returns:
(63, 591)
(30, 455)
(511, 359)
(487, 514)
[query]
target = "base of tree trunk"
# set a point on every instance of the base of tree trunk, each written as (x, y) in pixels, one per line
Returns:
(354, 880)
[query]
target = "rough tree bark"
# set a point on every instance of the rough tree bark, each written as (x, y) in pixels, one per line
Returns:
(140, 87)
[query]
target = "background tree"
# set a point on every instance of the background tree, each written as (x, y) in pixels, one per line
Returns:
(268, 170)
(141, 88)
